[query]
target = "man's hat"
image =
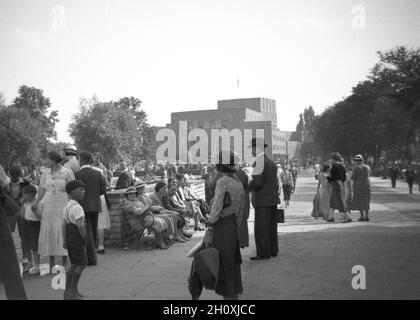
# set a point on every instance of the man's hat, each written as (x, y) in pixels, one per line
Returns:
(130, 190)
(336, 156)
(71, 149)
(358, 157)
(259, 141)
(70, 186)
(140, 184)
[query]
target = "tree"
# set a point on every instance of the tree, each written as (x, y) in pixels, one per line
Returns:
(26, 127)
(381, 115)
(118, 130)
(33, 101)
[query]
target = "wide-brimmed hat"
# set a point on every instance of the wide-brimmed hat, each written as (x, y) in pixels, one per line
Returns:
(130, 190)
(70, 149)
(226, 161)
(259, 141)
(358, 157)
(336, 156)
(140, 184)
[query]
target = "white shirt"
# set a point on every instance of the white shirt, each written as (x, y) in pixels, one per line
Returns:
(74, 211)
(29, 214)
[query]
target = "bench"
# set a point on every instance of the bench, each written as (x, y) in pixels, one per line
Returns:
(121, 233)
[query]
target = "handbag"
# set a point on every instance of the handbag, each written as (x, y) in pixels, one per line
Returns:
(280, 215)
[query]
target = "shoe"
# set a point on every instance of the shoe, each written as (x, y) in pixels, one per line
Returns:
(347, 220)
(92, 264)
(179, 239)
(35, 271)
(330, 220)
(361, 219)
(256, 258)
(274, 255)
(101, 251)
(367, 219)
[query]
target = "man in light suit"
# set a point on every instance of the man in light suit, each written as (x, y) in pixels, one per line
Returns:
(264, 187)
(95, 187)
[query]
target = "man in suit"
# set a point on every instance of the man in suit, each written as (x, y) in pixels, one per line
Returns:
(125, 179)
(264, 187)
(95, 187)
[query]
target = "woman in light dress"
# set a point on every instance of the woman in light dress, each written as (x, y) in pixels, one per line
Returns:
(324, 190)
(54, 198)
(104, 221)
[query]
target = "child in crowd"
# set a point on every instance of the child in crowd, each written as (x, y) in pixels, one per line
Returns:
(74, 234)
(31, 226)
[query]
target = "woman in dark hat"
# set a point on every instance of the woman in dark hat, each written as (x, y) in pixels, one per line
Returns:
(361, 188)
(224, 222)
(52, 193)
(336, 179)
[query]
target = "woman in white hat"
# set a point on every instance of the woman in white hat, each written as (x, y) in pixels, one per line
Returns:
(361, 188)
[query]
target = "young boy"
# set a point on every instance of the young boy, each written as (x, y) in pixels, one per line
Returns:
(74, 238)
(31, 228)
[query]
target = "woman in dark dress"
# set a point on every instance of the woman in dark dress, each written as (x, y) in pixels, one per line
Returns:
(243, 229)
(225, 220)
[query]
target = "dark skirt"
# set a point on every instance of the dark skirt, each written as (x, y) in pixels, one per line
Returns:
(225, 239)
(337, 196)
(287, 191)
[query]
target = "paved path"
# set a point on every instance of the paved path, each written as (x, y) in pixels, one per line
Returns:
(315, 260)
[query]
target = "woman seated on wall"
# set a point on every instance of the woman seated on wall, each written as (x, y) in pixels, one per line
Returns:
(185, 195)
(140, 217)
(160, 198)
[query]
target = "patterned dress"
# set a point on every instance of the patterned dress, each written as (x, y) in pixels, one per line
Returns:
(53, 203)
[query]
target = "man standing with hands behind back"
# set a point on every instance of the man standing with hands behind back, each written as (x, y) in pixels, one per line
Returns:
(95, 187)
(264, 187)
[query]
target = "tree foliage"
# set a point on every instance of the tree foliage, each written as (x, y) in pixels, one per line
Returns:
(119, 130)
(26, 127)
(381, 116)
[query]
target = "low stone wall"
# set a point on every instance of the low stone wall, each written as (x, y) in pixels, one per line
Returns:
(120, 233)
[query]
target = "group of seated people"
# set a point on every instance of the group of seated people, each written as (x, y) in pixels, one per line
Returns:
(167, 211)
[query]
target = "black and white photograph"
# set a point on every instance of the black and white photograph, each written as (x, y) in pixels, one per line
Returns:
(191, 150)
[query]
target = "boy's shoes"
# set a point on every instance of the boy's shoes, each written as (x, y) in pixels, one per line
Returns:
(101, 251)
(35, 271)
(330, 220)
(347, 221)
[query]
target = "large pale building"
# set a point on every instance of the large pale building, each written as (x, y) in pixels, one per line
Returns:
(250, 113)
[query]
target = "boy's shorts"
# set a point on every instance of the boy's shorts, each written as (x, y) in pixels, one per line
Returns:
(77, 255)
(31, 231)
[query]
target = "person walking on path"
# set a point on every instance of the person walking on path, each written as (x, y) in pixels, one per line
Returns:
(361, 188)
(393, 173)
(287, 183)
(224, 222)
(54, 198)
(336, 179)
(324, 190)
(418, 177)
(264, 187)
(9, 265)
(410, 177)
(95, 187)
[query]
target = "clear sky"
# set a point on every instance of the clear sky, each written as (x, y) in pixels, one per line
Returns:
(180, 55)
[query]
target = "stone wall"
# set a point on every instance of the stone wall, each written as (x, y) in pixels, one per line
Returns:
(120, 233)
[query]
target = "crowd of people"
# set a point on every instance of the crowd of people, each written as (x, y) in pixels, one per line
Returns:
(342, 188)
(64, 211)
